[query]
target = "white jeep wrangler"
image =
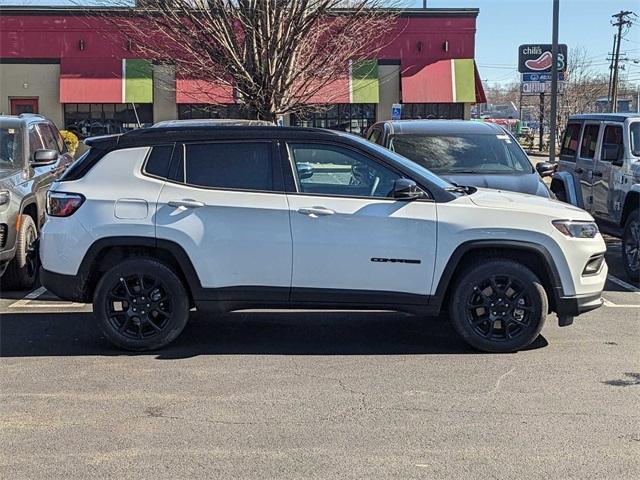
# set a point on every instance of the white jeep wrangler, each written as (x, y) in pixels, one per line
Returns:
(599, 170)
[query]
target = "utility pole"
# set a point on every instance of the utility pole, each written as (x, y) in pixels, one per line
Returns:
(622, 22)
(613, 49)
(554, 82)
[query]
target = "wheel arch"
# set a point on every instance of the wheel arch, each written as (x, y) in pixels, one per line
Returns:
(565, 181)
(631, 203)
(107, 252)
(534, 256)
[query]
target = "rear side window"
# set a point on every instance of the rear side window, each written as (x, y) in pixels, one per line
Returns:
(158, 162)
(570, 141)
(240, 165)
(589, 141)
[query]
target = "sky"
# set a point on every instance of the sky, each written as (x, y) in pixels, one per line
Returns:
(505, 24)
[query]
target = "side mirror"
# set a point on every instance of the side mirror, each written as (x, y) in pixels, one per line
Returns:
(42, 158)
(305, 170)
(545, 169)
(405, 189)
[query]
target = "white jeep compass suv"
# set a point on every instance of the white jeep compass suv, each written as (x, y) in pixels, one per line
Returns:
(154, 222)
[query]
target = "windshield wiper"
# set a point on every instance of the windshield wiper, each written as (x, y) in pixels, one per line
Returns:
(463, 171)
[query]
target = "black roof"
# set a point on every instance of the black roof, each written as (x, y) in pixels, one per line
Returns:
(441, 127)
(163, 135)
(605, 117)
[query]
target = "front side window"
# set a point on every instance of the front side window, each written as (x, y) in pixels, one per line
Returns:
(635, 138)
(589, 141)
(10, 147)
(464, 153)
(35, 141)
(50, 143)
(612, 143)
(570, 141)
(331, 170)
(240, 165)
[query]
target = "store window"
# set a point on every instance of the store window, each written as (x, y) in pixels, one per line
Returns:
(197, 111)
(92, 119)
(419, 111)
(347, 117)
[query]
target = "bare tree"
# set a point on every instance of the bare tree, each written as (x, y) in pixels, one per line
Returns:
(271, 57)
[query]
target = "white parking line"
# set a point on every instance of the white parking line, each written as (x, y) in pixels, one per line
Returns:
(26, 301)
(27, 298)
(624, 284)
(610, 304)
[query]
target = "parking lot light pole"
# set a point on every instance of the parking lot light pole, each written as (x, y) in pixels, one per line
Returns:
(554, 82)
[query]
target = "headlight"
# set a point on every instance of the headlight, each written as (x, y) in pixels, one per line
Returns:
(5, 197)
(576, 229)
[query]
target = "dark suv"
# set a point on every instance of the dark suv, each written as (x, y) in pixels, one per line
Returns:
(32, 156)
(465, 153)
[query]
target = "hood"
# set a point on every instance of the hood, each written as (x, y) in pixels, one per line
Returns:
(528, 203)
(530, 183)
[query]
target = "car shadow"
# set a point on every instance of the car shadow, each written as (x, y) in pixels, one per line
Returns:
(244, 333)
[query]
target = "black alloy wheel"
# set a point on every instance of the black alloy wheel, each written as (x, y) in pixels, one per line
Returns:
(498, 305)
(141, 304)
(499, 308)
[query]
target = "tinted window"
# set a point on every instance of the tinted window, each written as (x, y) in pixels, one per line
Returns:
(35, 142)
(246, 166)
(10, 147)
(464, 153)
(612, 142)
(589, 141)
(332, 170)
(570, 141)
(49, 140)
(635, 138)
(158, 161)
(374, 135)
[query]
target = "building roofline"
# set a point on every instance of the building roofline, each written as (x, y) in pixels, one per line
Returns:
(62, 10)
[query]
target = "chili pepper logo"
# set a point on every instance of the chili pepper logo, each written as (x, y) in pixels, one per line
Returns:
(543, 62)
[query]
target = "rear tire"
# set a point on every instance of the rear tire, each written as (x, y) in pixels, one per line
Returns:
(141, 304)
(631, 246)
(498, 306)
(22, 271)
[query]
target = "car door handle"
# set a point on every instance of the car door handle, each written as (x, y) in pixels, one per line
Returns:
(186, 203)
(579, 170)
(316, 211)
(597, 174)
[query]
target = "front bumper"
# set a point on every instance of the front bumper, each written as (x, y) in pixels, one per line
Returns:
(569, 307)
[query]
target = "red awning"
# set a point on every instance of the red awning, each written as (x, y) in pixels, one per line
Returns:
(443, 81)
(189, 90)
(95, 80)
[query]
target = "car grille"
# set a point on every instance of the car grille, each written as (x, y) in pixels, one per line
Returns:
(3, 234)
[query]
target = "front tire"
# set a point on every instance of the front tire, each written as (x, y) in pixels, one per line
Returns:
(141, 304)
(631, 245)
(498, 306)
(22, 271)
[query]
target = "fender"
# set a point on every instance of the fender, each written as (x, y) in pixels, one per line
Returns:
(570, 188)
(549, 265)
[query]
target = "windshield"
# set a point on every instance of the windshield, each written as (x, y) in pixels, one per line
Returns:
(10, 147)
(418, 169)
(464, 153)
(635, 139)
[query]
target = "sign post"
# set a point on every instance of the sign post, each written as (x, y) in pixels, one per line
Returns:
(396, 111)
(554, 82)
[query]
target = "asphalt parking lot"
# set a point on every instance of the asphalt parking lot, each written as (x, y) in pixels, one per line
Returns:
(319, 395)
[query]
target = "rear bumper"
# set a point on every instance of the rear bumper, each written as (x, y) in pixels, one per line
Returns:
(67, 287)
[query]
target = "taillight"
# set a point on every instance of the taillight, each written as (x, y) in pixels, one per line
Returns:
(61, 204)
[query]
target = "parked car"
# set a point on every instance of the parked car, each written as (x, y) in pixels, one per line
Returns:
(32, 156)
(599, 170)
(156, 221)
(466, 153)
